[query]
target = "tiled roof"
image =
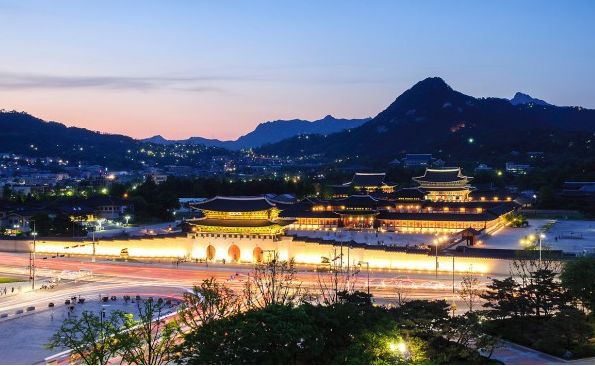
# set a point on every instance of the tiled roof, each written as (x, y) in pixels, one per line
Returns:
(485, 216)
(441, 175)
(368, 179)
(409, 193)
(309, 214)
(235, 223)
(357, 201)
(235, 204)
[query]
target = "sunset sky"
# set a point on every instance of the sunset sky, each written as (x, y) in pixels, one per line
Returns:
(218, 68)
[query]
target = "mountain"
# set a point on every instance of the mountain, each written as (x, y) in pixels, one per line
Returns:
(520, 98)
(31, 136)
(23, 134)
(271, 132)
(431, 117)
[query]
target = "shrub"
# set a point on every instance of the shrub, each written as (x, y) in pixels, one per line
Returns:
(550, 346)
(584, 350)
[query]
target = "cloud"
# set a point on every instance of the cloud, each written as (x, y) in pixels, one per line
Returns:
(13, 81)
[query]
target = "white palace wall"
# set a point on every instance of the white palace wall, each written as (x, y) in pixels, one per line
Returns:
(194, 246)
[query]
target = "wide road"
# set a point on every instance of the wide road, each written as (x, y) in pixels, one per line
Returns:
(414, 284)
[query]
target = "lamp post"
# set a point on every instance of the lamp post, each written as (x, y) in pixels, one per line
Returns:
(368, 272)
(453, 270)
(540, 238)
(93, 256)
(436, 246)
(127, 217)
(32, 267)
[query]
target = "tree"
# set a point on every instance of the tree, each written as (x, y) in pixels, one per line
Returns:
(570, 326)
(151, 339)
(208, 301)
(579, 278)
(43, 224)
(544, 293)
(62, 225)
(467, 330)
(356, 297)
(470, 290)
(276, 334)
(273, 282)
(333, 281)
(503, 297)
(422, 317)
(92, 337)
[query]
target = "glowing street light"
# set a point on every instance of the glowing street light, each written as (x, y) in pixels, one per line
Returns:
(401, 348)
(127, 217)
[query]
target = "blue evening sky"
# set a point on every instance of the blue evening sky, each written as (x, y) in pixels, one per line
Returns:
(218, 68)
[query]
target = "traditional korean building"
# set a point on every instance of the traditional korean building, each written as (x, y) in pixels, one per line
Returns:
(242, 215)
(364, 183)
(444, 184)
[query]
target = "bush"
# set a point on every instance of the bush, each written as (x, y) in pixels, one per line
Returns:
(584, 350)
(550, 346)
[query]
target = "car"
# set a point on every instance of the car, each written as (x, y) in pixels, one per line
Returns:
(406, 283)
(434, 285)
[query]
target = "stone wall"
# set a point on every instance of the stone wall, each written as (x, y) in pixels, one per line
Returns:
(225, 247)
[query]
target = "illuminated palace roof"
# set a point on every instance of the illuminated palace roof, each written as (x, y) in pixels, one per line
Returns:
(238, 214)
(235, 204)
(449, 175)
(368, 180)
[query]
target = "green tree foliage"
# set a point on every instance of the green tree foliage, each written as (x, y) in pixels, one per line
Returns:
(208, 301)
(274, 282)
(515, 219)
(504, 298)
(470, 290)
(281, 334)
(43, 224)
(579, 278)
(570, 327)
(421, 317)
(151, 339)
(91, 337)
(545, 294)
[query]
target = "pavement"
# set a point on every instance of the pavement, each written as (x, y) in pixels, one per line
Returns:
(30, 331)
(570, 236)
(514, 354)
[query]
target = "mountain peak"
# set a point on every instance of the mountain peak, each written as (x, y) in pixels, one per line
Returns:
(431, 83)
(520, 98)
(328, 117)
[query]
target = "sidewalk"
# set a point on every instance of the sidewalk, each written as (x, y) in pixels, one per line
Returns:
(514, 354)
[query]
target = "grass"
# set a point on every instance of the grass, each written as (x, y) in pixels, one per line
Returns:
(9, 280)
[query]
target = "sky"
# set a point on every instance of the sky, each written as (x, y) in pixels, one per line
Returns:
(217, 69)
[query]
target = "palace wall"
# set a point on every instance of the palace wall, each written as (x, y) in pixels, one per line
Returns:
(249, 247)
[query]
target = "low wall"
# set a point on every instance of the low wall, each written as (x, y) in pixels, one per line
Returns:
(226, 247)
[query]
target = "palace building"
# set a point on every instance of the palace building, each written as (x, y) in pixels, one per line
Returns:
(444, 184)
(444, 202)
(241, 215)
(364, 183)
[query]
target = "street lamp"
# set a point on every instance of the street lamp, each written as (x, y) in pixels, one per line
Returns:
(368, 271)
(127, 217)
(436, 246)
(453, 270)
(540, 238)
(93, 256)
(32, 267)
(401, 347)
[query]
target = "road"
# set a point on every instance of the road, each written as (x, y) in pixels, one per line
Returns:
(161, 279)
